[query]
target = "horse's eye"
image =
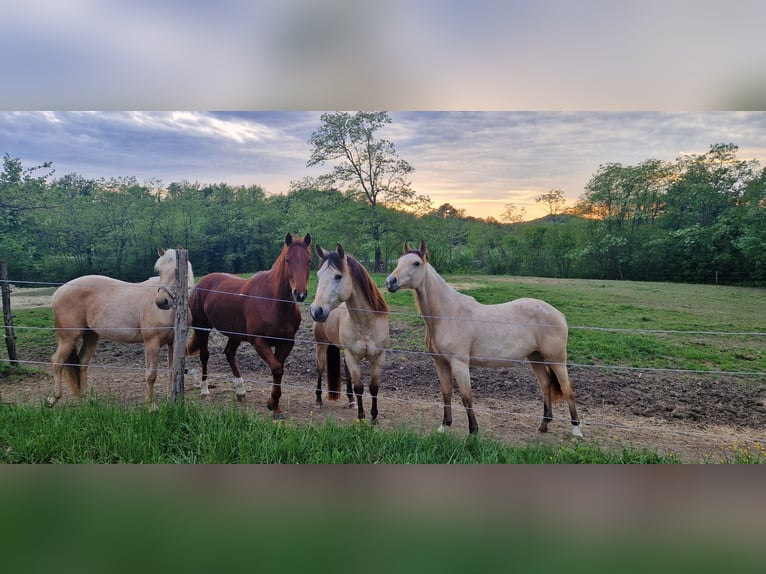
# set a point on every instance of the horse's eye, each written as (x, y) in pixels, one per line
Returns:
(416, 263)
(287, 261)
(338, 277)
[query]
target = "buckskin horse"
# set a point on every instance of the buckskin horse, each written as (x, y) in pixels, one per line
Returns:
(350, 314)
(461, 333)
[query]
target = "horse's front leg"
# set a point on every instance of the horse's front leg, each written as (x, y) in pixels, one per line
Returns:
(275, 360)
(152, 357)
(376, 365)
(355, 376)
(321, 360)
(462, 374)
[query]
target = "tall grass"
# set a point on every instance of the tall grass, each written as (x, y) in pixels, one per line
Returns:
(101, 432)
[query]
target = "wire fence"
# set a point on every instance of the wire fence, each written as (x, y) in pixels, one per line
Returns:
(604, 425)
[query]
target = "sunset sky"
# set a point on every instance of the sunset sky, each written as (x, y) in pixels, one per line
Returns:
(477, 161)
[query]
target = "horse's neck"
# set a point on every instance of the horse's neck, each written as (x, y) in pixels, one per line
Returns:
(433, 297)
(359, 308)
(277, 280)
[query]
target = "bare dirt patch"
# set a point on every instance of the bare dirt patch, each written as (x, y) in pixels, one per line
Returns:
(697, 418)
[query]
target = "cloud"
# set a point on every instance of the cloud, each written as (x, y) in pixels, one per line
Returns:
(478, 161)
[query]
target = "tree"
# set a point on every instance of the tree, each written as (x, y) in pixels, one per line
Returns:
(555, 201)
(368, 167)
(513, 214)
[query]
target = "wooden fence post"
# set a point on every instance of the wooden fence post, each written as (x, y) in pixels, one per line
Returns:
(181, 328)
(10, 335)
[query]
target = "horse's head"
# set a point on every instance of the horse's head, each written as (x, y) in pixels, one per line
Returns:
(297, 260)
(165, 266)
(410, 269)
(335, 283)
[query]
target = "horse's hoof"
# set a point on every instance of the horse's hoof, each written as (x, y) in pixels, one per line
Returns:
(576, 431)
(442, 429)
(280, 416)
(351, 405)
(374, 421)
(240, 398)
(51, 401)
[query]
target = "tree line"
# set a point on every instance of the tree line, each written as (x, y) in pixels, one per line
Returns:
(700, 218)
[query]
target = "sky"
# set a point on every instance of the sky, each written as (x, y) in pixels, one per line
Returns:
(476, 161)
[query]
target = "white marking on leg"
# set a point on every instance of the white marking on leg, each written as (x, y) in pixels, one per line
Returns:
(441, 428)
(239, 382)
(576, 430)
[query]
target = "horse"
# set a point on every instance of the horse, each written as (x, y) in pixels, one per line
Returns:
(461, 332)
(95, 306)
(261, 310)
(349, 313)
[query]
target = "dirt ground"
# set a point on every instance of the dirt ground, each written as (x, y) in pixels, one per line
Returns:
(696, 418)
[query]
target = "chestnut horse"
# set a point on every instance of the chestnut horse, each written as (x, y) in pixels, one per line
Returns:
(461, 332)
(96, 306)
(350, 314)
(261, 311)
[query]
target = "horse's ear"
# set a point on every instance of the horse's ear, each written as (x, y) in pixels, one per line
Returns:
(307, 240)
(288, 239)
(340, 251)
(423, 250)
(321, 252)
(406, 247)
(160, 251)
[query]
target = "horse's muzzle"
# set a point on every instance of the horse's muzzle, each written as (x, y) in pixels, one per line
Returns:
(392, 284)
(299, 296)
(318, 314)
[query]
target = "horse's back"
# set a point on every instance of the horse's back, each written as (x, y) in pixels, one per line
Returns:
(491, 334)
(111, 307)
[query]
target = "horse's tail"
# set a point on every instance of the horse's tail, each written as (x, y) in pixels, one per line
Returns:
(556, 393)
(333, 372)
(71, 372)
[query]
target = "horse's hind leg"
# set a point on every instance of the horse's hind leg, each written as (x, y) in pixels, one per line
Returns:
(231, 355)
(540, 370)
(562, 376)
(66, 353)
(445, 381)
(88, 349)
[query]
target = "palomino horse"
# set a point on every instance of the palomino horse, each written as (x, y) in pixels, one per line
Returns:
(261, 310)
(460, 332)
(359, 326)
(96, 306)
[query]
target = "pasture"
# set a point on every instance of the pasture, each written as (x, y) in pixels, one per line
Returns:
(673, 369)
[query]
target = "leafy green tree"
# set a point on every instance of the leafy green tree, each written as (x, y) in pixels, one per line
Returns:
(367, 167)
(24, 196)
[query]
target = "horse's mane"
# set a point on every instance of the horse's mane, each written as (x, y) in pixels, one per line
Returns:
(362, 278)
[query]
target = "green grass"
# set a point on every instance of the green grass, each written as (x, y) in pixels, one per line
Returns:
(100, 432)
